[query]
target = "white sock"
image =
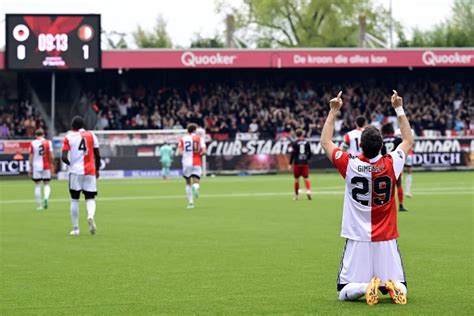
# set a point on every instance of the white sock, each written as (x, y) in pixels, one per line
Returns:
(189, 193)
(75, 213)
(38, 195)
(402, 287)
(90, 206)
(196, 186)
(408, 181)
(47, 191)
(353, 291)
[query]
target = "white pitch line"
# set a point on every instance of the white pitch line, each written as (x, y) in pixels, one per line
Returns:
(222, 195)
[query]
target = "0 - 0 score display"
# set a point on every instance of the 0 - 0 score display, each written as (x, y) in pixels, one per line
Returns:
(53, 42)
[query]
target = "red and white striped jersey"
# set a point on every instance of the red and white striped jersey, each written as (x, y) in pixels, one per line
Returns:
(81, 144)
(370, 210)
(192, 146)
(41, 150)
(352, 142)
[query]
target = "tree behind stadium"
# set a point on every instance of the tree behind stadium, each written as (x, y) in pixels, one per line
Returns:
(455, 31)
(157, 38)
(307, 23)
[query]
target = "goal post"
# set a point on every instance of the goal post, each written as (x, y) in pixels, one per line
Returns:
(136, 153)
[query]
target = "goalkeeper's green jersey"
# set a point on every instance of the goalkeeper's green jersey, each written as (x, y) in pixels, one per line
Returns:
(166, 153)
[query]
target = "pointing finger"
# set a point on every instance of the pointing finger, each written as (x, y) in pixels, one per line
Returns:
(395, 93)
(339, 94)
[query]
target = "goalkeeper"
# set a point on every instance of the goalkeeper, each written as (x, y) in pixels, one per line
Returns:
(166, 158)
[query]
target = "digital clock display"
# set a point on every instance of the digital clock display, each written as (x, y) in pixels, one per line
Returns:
(65, 42)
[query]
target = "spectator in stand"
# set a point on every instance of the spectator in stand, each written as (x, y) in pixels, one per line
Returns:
(4, 130)
(253, 127)
(19, 121)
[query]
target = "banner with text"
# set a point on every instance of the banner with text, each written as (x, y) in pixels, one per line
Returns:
(252, 156)
(291, 58)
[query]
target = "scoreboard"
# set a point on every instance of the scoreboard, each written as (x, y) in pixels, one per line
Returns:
(53, 42)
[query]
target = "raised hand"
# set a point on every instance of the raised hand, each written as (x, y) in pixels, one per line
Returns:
(336, 103)
(396, 100)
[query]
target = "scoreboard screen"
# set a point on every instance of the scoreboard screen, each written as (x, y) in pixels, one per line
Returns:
(53, 42)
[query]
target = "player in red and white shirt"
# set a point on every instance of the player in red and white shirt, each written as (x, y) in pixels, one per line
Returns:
(82, 147)
(369, 221)
(352, 139)
(192, 147)
(41, 161)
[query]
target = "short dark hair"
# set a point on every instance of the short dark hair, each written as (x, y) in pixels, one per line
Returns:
(192, 128)
(371, 142)
(39, 132)
(299, 132)
(387, 129)
(77, 122)
(360, 121)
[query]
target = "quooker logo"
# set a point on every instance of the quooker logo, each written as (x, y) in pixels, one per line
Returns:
(432, 59)
(191, 60)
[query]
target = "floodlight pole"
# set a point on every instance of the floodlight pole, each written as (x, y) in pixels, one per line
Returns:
(53, 103)
(391, 25)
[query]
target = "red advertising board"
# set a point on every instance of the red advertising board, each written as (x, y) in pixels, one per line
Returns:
(285, 58)
(288, 58)
(14, 146)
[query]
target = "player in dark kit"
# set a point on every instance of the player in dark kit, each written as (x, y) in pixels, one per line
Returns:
(299, 162)
(390, 143)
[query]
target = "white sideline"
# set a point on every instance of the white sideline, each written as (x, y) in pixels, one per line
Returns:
(221, 195)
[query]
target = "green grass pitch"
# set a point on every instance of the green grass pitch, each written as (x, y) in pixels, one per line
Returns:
(246, 248)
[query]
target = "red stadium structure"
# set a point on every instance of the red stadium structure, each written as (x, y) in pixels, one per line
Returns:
(290, 58)
(158, 70)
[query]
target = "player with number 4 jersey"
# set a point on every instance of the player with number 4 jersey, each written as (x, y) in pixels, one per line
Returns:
(371, 261)
(41, 162)
(192, 147)
(81, 154)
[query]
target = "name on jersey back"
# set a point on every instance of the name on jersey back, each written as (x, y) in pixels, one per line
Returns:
(372, 168)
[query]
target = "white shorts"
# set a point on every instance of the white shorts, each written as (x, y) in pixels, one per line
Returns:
(189, 171)
(81, 182)
(44, 175)
(362, 260)
(409, 161)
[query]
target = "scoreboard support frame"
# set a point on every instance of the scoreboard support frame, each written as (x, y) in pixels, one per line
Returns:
(53, 103)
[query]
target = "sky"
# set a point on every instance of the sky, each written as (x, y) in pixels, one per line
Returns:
(185, 18)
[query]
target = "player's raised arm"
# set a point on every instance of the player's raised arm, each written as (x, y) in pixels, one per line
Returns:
(328, 128)
(405, 129)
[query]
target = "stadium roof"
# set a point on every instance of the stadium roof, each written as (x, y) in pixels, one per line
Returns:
(283, 58)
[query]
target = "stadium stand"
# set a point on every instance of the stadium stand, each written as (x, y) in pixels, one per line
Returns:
(269, 103)
(225, 110)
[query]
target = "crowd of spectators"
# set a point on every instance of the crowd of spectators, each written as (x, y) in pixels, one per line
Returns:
(270, 109)
(265, 107)
(19, 120)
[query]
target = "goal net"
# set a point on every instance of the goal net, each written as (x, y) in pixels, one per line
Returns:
(136, 153)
